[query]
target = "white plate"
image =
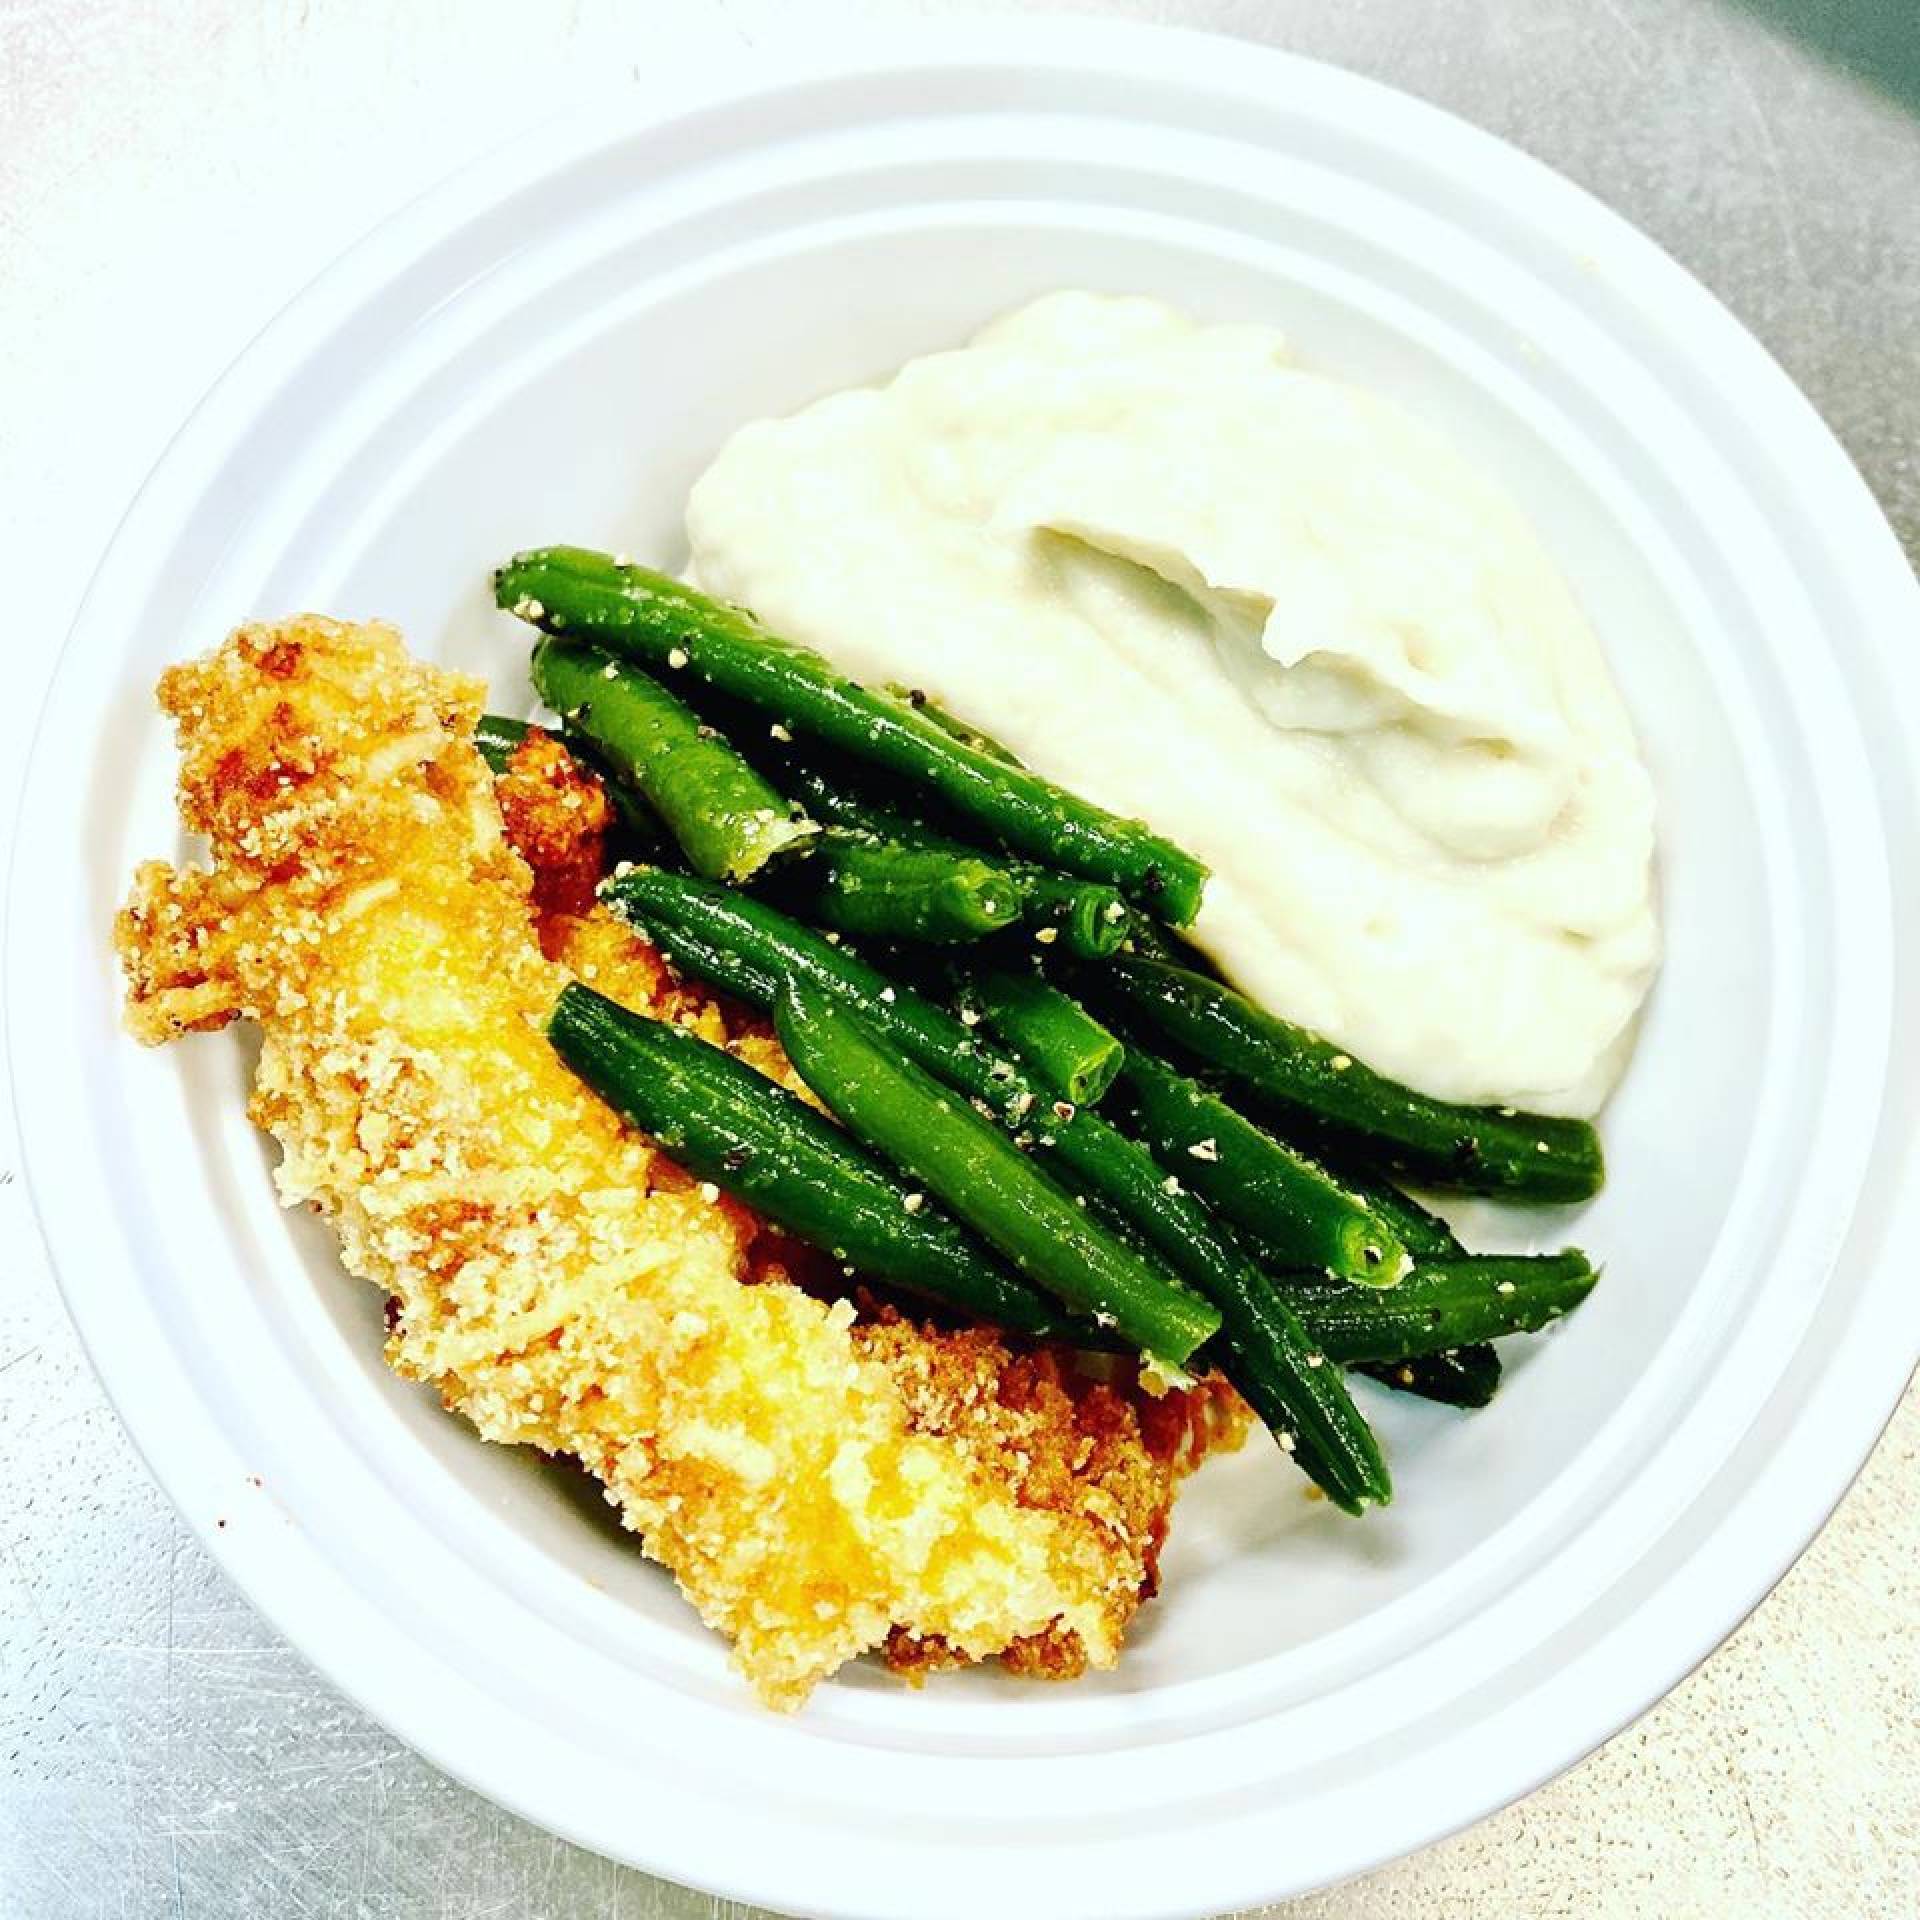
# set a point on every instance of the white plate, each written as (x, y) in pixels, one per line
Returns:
(549, 348)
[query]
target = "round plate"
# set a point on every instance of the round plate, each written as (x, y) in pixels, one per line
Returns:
(550, 347)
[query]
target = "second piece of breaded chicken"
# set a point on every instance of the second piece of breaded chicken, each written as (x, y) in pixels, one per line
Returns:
(556, 1280)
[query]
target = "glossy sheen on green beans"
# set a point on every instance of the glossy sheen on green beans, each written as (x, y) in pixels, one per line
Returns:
(1090, 921)
(1051, 1035)
(725, 1123)
(1278, 1367)
(657, 621)
(947, 723)
(746, 948)
(498, 739)
(749, 949)
(642, 833)
(1479, 1149)
(728, 821)
(1461, 1377)
(974, 1170)
(1445, 1304)
(893, 891)
(1078, 917)
(1150, 940)
(1419, 1229)
(1290, 1212)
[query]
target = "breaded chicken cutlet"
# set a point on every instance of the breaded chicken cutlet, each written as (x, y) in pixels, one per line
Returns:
(818, 1484)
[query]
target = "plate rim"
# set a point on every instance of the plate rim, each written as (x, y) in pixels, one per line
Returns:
(468, 189)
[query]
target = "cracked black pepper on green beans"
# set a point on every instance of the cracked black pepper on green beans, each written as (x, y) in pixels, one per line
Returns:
(1234, 1203)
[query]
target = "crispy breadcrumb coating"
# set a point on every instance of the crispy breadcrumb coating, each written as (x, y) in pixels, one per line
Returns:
(817, 1488)
(556, 815)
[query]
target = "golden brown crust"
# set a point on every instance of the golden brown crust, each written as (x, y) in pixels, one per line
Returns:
(814, 1485)
(1066, 1442)
(556, 816)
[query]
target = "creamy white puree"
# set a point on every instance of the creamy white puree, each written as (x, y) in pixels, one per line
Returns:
(1273, 616)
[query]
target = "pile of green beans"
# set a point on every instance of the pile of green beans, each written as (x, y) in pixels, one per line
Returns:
(728, 821)
(725, 1123)
(1286, 1069)
(1235, 1203)
(895, 890)
(1091, 920)
(748, 949)
(1053, 1036)
(932, 1134)
(657, 622)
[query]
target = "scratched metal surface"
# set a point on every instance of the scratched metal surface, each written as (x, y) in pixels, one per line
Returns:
(161, 1752)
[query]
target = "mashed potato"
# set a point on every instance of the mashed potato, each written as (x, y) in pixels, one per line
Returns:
(1276, 618)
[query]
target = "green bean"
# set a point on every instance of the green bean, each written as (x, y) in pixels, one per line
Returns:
(1463, 1377)
(1092, 921)
(1278, 1367)
(836, 803)
(1290, 1211)
(1524, 1156)
(947, 723)
(1443, 1304)
(1089, 920)
(497, 739)
(746, 948)
(1151, 940)
(642, 833)
(1054, 1037)
(971, 1167)
(1419, 1229)
(895, 891)
(1083, 918)
(727, 820)
(647, 616)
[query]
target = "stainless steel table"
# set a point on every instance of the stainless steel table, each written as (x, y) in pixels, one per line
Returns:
(168, 174)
